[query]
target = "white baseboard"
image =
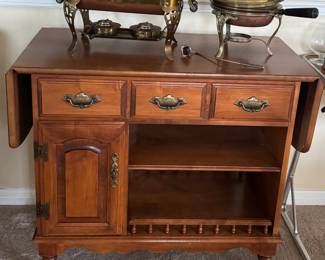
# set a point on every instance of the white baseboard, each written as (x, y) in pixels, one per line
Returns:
(309, 198)
(17, 197)
(27, 197)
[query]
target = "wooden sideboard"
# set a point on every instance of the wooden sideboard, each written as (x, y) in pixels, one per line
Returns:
(135, 152)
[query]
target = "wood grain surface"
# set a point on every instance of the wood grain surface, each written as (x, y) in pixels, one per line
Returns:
(48, 53)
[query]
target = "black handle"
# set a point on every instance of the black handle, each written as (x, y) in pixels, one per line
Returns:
(186, 51)
(323, 109)
(301, 12)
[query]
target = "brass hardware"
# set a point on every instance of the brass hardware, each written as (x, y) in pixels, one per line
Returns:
(115, 170)
(146, 31)
(168, 102)
(252, 104)
(107, 27)
(43, 210)
(81, 100)
(40, 152)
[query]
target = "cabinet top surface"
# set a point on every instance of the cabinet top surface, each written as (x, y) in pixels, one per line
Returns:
(48, 53)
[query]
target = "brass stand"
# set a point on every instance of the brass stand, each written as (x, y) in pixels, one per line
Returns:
(172, 13)
(222, 19)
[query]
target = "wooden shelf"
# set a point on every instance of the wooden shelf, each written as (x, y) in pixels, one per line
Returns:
(188, 197)
(188, 148)
(242, 156)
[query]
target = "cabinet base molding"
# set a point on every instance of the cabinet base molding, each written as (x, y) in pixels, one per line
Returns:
(260, 246)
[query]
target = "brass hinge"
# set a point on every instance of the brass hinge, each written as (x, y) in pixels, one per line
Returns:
(40, 151)
(43, 210)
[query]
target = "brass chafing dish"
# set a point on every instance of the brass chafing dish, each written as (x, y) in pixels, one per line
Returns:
(251, 13)
(171, 9)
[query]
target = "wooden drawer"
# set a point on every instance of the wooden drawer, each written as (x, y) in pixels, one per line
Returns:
(166, 100)
(97, 97)
(253, 102)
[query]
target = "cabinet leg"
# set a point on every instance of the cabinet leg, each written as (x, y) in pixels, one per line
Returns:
(264, 257)
(47, 251)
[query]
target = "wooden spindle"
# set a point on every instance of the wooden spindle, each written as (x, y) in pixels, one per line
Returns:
(266, 230)
(233, 229)
(150, 229)
(217, 229)
(250, 229)
(134, 229)
(167, 229)
(200, 231)
(184, 229)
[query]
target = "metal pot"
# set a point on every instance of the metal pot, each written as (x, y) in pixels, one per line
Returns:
(251, 13)
(146, 31)
(261, 15)
(107, 27)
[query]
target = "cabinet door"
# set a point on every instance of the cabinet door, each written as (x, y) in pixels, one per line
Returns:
(83, 181)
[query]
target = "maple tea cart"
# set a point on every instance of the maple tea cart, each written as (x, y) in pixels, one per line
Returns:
(135, 152)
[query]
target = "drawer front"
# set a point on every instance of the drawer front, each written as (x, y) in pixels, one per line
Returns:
(247, 102)
(164, 100)
(81, 97)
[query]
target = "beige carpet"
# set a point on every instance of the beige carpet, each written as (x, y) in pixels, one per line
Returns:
(17, 227)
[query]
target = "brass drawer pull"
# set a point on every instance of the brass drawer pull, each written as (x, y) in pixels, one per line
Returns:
(252, 104)
(168, 102)
(115, 170)
(81, 100)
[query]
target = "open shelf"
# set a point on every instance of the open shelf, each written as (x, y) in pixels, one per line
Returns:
(200, 148)
(199, 203)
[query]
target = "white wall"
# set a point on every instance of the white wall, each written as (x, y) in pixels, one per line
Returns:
(18, 25)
